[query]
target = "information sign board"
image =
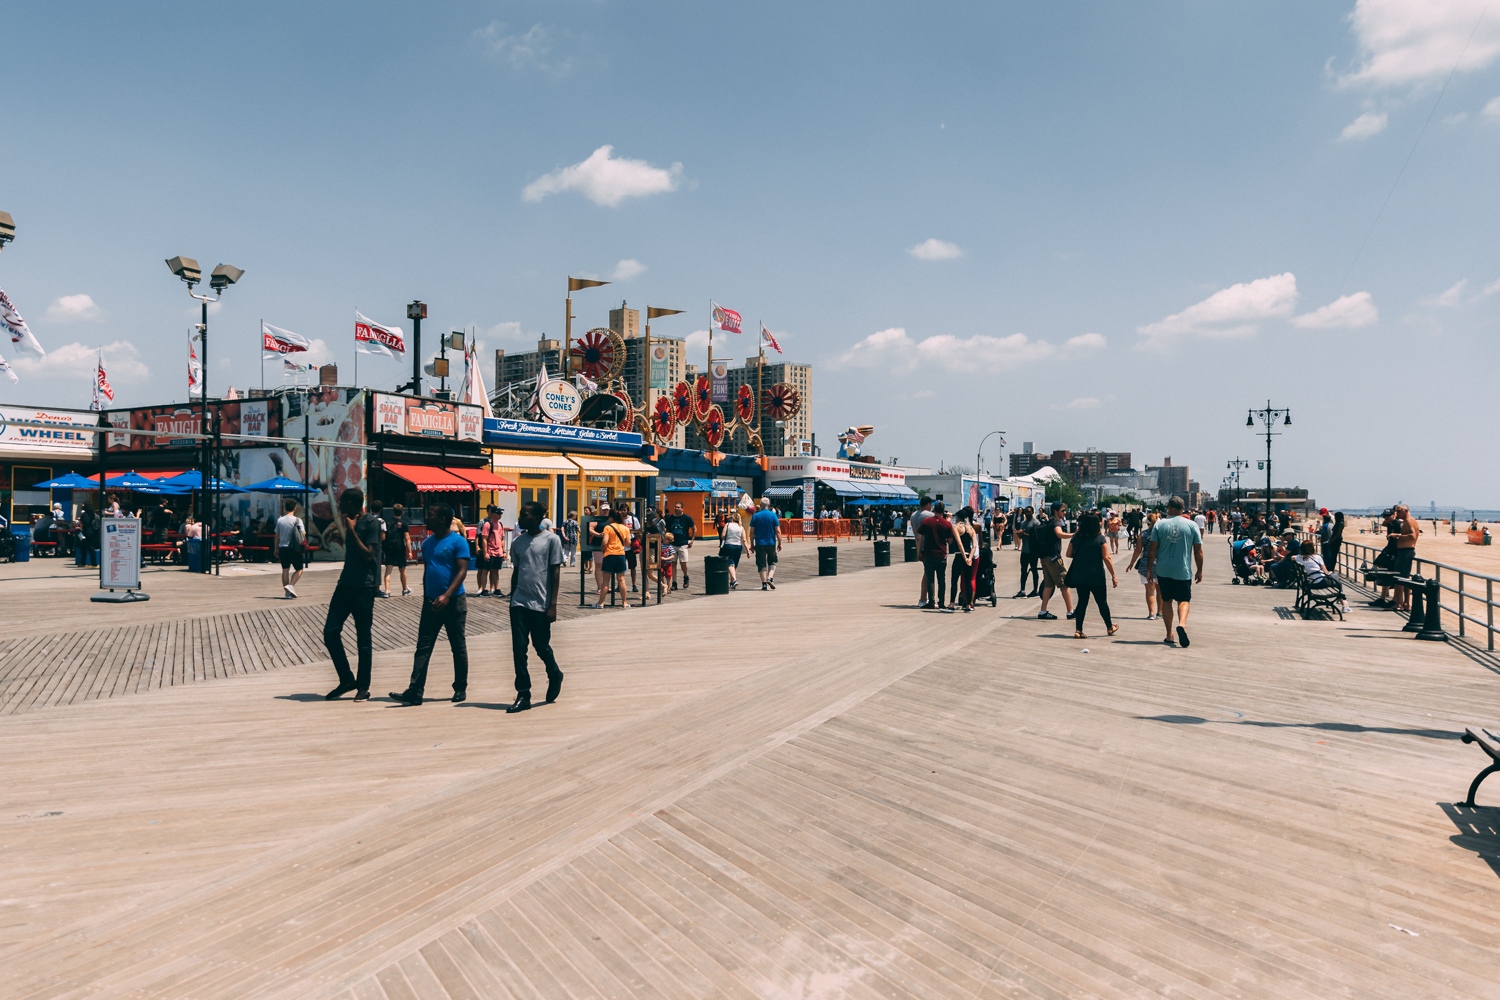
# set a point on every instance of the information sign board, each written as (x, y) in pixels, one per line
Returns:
(120, 553)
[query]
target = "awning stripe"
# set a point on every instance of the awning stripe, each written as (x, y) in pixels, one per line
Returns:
(484, 479)
(619, 466)
(430, 480)
(526, 461)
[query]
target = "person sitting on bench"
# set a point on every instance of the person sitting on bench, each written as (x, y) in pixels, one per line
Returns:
(1317, 574)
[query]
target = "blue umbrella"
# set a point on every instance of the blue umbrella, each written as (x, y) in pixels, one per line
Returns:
(130, 481)
(163, 489)
(278, 484)
(193, 480)
(72, 481)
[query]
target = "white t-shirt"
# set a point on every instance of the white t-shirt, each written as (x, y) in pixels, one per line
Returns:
(1312, 566)
(284, 525)
(1201, 521)
(734, 533)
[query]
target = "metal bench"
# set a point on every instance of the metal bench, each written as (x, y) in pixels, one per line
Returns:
(1313, 598)
(1490, 744)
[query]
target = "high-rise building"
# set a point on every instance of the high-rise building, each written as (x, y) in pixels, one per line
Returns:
(795, 435)
(1077, 466)
(1171, 480)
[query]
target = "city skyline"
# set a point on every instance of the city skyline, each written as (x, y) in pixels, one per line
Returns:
(1094, 227)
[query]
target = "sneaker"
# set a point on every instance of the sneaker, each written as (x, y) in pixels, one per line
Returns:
(338, 692)
(484, 593)
(734, 585)
(290, 593)
(762, 587)
(633, 590)
(1182, 639)
(1019, 594)
(1047, 616)
(497, 593)
(406, 697)
(406, 592)
(382, 593)
(772, 584)
(947, 611)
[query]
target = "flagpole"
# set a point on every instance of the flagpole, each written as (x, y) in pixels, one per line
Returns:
(760, 370)
(262, 355)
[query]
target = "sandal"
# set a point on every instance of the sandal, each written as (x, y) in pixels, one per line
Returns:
(1078, 635)
(1113, 629)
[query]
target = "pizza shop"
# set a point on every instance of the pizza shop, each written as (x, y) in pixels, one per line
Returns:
(425, 450)
(31, 455)
(568, 467)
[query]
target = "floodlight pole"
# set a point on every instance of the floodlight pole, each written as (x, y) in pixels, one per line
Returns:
(206, 447)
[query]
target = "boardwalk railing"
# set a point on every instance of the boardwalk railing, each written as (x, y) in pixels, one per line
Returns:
(1463, 584)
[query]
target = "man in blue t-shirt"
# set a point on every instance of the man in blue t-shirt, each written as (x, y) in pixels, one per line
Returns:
(765, 530)
(445, 561)
(1175, 544)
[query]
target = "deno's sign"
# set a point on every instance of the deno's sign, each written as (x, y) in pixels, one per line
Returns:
(559, 401)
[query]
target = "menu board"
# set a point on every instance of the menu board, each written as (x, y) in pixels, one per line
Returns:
(120, 553)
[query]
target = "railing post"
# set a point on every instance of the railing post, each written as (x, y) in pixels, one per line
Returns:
(1489, 612)
(1461, 623)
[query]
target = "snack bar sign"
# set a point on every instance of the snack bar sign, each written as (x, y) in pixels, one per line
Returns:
(407, 416)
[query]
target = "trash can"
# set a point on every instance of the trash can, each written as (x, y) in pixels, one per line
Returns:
(911, 550)
(882, 553)
(21, 533)
(828, 560)
(193, 551)
(715, 575)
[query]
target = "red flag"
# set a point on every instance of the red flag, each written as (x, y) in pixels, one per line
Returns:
(766, 335)
(723, 320)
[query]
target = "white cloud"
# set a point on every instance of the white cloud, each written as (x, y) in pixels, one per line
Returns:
(934, 249)
(73, 308)
(604, 180)
(1492, 109)
(1368, 124)
(1453, 296)
(697, 340)
(627, 269)
(1492, 287)
(121, 361)
(530, 49)
(1231, 312)
(1411, 43)
(318, 353)
(1084, 403)
(894, 349)
(1347, 313)
(509, 333)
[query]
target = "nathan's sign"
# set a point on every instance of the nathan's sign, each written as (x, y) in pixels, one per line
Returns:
(859, 471)
(408, 416)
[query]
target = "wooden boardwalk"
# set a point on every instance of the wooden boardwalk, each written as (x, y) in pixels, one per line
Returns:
(816, 792)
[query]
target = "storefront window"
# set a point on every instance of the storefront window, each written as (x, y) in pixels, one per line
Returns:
(25, 499)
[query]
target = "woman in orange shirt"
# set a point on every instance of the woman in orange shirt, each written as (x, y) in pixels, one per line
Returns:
(616, 539)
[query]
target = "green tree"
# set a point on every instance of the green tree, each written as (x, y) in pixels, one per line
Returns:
(1068, 493)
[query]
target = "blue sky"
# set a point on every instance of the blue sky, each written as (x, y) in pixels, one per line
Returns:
(1092, 225)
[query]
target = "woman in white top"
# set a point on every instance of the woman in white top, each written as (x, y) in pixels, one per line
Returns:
(731, 547)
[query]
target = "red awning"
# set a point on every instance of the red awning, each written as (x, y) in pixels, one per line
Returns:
(429, 480)
(484, 479)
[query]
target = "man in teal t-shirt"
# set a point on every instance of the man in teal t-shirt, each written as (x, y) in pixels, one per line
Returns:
(1176, 544)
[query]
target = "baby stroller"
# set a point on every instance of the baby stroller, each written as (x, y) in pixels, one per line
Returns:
(984, 579)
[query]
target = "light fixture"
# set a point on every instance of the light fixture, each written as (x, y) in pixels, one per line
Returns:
(456, 341)
(1250, 420)
(1288, 421)
(7, 229)
(187, 269)
(223, 276)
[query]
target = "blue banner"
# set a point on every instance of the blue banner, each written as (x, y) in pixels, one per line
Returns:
(562, 437)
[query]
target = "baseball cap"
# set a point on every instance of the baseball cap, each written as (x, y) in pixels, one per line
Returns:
(1322, 510)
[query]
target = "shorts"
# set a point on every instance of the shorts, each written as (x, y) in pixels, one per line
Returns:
(614, 564)
(1054, 574)
(485, 562)
(682, 556)
(292, 558)
(394, 555)
(1402, 559)
(732, 553)
(765, 556)
(1179, 591)
(630, 558)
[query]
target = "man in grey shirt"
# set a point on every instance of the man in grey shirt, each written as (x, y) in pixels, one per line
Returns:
(536, 559)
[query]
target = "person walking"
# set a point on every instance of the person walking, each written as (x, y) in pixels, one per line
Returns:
(445, 562)
(491, 545)
(966, 561)
(536, 561)
(1176, 544)
(923, 512)
(765, 531)
(568, 532)
(393, 554)
(354, 595)
(291, 548)
(936, 533)
(1334, 542)
(1090, 555)
(615, 539)
(632, 550)
(1048, 546)
(1140, 561)
(732, 547)
(681, 525)
(1115, 529)
(1029, 567)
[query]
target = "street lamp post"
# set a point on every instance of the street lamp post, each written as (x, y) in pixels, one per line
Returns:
(416, 311)
(222, 277)
(1268, 416)
(7, 229)
(1237, 464)
(574, 284)
(979, 455)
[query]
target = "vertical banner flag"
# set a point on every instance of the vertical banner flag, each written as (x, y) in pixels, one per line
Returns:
(723, 320)
(766, 338)
(372, 338)
(474, 391)
(195, 367)
(14, 325)
(719, 376)
(275, 340)
(659, 357)
(102, 389)
(534, 408)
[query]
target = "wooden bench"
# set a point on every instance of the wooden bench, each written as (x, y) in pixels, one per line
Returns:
(1316, 597)
(43, 548)
(159, 552)
(255, 553)
(1490, 744)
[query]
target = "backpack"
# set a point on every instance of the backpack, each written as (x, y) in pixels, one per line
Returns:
(299, 536)
(1043, 539)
